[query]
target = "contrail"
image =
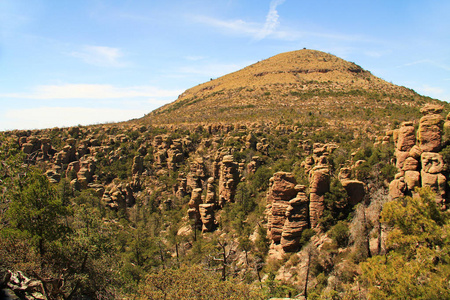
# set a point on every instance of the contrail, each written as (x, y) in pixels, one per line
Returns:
(271, 20)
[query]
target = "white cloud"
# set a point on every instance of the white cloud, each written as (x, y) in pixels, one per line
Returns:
(100, 56)
(239, 27)
(435, 92)
(92, 91)
(431, 90)
(271, 20)
(48, 117)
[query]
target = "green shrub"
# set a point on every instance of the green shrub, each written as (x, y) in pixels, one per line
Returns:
(339, 233)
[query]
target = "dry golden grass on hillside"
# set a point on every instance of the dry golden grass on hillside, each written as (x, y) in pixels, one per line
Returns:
(293, 86)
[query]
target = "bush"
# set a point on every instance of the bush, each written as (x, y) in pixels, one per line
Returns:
(336, 205)
(260, 180)
(340, 234)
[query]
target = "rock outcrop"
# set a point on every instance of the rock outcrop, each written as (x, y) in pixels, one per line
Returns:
(210, 192)
(282, 189)
(118, 196)
(319, 185)
(206, 211)
(420, 164)
(432, 166)
(355, 189)
(228, 180)
(429, 133)
(297, 220)
(254, 164)
(194, 203)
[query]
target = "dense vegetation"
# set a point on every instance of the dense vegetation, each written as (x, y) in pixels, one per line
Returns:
(50, 231)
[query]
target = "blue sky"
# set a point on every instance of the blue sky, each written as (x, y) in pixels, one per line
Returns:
(66, 63)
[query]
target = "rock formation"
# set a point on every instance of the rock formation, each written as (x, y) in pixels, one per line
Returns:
(430, 128)
(297, 220)
(228, 180)
(355, 189)
(282, 189)
(87, 168)
(419, 164)
(319, 184)
(254, 164)
(210, 192)
(194, 203)
(206, 211)
(432, 166)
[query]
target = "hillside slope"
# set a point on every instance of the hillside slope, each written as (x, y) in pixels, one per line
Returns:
(291, 86)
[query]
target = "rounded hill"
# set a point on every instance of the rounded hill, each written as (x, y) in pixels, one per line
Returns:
(290, 86)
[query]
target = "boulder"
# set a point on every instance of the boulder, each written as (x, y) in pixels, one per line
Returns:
(437, 183)
(397, 188)
(400, 156)
(84, 175)
(27, 148)
(345, 173)
(210, 191)
(355, 190)
(431, 109)
(410, 164)
(254, 165)
(194, 211)
(412, 179)
(429, 133)
(406, 137)
(53, 176)
(432, 162)
(415, 152)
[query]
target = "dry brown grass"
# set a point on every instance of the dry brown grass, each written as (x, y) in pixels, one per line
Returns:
(287, 86)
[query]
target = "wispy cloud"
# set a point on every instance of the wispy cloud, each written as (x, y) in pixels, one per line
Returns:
(92, 91)
(434, 91)
(271, 29)
(271, 20)
(47, 117)
(100, 56)
(239, 27)
(426, 61)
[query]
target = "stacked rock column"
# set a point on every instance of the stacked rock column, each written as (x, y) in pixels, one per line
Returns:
(297, 220)
(281, 191)
(420, 164)
(429, 139)
(319, 185)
